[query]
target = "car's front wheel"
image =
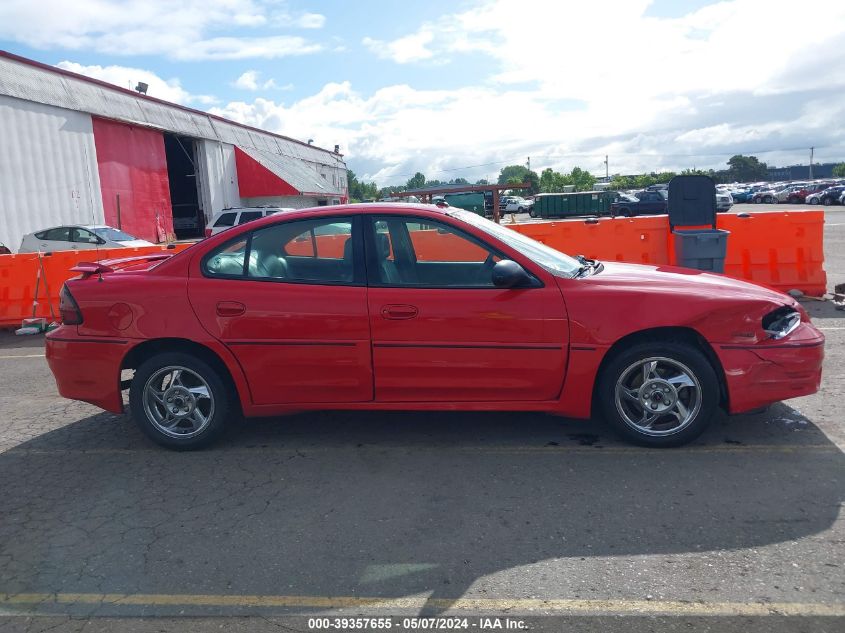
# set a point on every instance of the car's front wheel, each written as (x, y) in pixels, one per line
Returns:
(179, 401)
(659, 394)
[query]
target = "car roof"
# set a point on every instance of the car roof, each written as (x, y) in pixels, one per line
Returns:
(350, 209)
(73, 226)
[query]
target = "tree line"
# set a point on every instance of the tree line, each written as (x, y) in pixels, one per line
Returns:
(740, 169)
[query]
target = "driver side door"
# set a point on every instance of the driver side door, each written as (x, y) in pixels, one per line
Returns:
(441, 331)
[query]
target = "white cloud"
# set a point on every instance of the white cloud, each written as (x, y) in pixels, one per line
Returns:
(310, 21)
(411, 48)
(182, 31)
(573, 81)
(249, 80)
(125, 77)
(246, 48)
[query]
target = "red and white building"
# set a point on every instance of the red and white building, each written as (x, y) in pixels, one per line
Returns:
(78, 150)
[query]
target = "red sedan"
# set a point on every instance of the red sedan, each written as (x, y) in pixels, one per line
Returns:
(402, 306)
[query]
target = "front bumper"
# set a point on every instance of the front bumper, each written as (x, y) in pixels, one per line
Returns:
(87, 368)
(759, 375)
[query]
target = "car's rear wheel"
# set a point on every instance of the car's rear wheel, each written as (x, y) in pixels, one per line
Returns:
(532, 213)
(770, 200)
(659, 394)
(827, 202)
(179, 401)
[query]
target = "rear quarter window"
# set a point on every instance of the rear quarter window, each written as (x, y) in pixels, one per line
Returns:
(227, 219)
(249, 216)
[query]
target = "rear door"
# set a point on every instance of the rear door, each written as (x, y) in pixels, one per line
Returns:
(443, 332)
(290, 302)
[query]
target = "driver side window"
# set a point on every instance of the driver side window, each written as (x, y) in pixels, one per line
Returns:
(418, 252)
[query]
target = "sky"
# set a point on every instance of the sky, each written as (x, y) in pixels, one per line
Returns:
(461, 88)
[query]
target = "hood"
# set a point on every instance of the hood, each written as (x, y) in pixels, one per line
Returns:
(683, 281)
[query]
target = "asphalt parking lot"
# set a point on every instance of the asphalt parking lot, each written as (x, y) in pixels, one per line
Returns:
(410, 513)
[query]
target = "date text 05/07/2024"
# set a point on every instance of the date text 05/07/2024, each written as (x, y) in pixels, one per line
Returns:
(415, 624)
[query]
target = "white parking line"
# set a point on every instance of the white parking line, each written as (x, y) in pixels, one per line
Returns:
(22, 356)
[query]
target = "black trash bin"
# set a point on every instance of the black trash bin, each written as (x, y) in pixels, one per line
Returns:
(692, 203)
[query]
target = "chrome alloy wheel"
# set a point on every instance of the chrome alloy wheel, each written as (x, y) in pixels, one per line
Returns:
(658, 396)
(178, 402)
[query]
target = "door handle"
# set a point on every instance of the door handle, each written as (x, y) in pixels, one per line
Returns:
(399, 312)
(230, 308)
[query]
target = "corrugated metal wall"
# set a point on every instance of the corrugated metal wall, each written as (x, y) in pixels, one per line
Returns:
(48, 169)
(26, 81)
(133, 165)
(218, 177)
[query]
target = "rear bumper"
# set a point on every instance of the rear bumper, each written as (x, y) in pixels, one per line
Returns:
(87, 368)
(759, 375)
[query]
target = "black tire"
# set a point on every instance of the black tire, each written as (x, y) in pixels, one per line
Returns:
(532, 213)
(770, 200)
(677, 352)
(221, 400)
(625, 211)
(826, 202)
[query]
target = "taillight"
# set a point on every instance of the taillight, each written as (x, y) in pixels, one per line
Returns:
(208, 232)
(68, 308)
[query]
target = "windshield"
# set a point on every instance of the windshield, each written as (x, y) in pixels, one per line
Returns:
(550, 259)
(113, 235)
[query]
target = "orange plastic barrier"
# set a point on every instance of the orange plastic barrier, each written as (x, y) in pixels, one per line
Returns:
(781, 249)
(640, 240)
(19, 276)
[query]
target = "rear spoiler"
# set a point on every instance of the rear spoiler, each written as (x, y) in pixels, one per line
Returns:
(111, 265)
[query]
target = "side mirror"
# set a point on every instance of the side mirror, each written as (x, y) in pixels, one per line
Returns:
(509, 274)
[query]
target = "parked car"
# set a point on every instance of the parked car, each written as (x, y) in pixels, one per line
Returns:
(400, 307)
(813, 193)
(228, 218)
(830, 195)
(724, 201)
(518, 205)
(765, 196)
(741, 195)
(4, 250)
(640, 203)
(74, 237)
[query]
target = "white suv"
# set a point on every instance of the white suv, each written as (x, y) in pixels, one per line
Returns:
(227, 218)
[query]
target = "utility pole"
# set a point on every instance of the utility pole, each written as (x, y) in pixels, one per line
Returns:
(529, 163)
(811, 162)
(606, 170)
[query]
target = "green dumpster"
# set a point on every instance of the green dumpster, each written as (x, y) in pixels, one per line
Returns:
(471, 201)
(562, 205)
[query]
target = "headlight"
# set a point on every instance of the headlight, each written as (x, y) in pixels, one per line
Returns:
(781, 322)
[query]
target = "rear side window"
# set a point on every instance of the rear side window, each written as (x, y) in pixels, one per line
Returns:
(226, 260)
(61, 234)
(308, 251)
(249, 216)
(227, 219)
